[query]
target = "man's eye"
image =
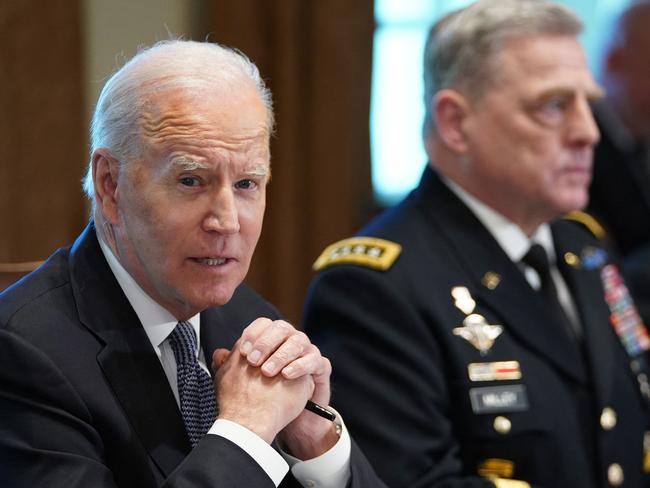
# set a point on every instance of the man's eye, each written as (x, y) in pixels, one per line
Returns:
(555, 104)
(245, 185)
(189, 181)
(552, 111)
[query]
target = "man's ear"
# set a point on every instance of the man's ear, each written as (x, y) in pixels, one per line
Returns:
(614, 61)
(451, 109)
(106, 172)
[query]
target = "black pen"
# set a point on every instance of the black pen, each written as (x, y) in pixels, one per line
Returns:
(320, 411)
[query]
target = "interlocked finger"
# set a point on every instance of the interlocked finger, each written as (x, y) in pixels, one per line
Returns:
(310, 363)
(290, 350)
(264, 338)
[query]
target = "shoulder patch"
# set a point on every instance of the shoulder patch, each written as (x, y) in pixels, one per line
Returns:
(588, 221)
(364, 251)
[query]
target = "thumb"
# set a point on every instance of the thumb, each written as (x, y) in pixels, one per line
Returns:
(219, 357)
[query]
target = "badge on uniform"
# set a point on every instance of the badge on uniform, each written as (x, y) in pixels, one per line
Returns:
(646, 452)
(593, 257)
(475, 329)
(496, 371)
(492, 399)
(624, 316)
(495, 467)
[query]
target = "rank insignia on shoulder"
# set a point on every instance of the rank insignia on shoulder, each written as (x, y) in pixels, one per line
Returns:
(588, 221)
(371, 252)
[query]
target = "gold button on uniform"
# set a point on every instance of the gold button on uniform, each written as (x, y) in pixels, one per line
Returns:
(615, 474)
(571, 259)
(502, 425)
(608, 418)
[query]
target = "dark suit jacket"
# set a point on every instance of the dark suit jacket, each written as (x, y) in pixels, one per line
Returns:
(401, 373)
(619, 195)
(84, 400)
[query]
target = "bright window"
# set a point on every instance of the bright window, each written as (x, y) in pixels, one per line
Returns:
(398, 157)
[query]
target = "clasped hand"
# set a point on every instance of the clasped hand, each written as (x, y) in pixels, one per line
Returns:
(264, 383)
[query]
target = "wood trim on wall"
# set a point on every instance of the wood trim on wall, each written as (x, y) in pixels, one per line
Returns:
(42, 139)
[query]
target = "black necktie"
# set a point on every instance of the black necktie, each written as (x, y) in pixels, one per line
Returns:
(195, 387)
(537, 259)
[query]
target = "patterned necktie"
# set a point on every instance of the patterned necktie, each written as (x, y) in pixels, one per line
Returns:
(195, 387)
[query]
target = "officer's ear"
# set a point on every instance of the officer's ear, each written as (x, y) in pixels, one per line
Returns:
(615, 61)
(451, 108)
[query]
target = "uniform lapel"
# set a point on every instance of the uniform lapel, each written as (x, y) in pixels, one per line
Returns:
(513, 301)
(587, 290)
(128, 361)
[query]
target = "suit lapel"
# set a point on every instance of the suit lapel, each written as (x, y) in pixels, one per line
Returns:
(217, 331)
(587, 291)
(128, 361)
(513, 301)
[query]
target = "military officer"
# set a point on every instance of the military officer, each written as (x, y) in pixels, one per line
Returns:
(477, 337)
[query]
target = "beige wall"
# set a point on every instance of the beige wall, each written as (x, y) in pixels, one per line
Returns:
(41, 128)
(113, 30)
(54, 58)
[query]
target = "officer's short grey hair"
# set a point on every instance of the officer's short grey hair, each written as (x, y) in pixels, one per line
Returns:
(461, 47)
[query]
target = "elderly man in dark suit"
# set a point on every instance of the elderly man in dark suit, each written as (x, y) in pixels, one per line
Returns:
(137, 357)
(478, 339)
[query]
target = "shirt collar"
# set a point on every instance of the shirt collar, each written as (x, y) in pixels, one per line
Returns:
(158, 323)
(509, 235)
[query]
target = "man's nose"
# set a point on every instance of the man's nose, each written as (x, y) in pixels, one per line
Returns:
(582, 125)
(222, 216)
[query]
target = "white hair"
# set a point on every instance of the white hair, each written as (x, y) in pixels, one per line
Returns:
(167, 64)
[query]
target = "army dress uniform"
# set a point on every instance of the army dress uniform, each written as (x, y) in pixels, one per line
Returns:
(450, 369)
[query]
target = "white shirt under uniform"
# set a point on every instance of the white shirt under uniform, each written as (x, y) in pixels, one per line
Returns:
(330, 470)
(515, 243)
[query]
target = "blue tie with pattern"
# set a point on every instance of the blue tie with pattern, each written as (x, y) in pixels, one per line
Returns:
(195, 387)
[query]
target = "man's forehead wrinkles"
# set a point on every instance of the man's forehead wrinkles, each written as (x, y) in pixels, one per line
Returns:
(206, 137)
(187, 124)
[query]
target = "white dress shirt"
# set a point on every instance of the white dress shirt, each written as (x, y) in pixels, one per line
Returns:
(515, 243)
(330, 470)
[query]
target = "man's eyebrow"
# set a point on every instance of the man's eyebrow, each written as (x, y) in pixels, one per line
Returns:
(594, 93)
(187, 164)
(556, 92)
(258, 171)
